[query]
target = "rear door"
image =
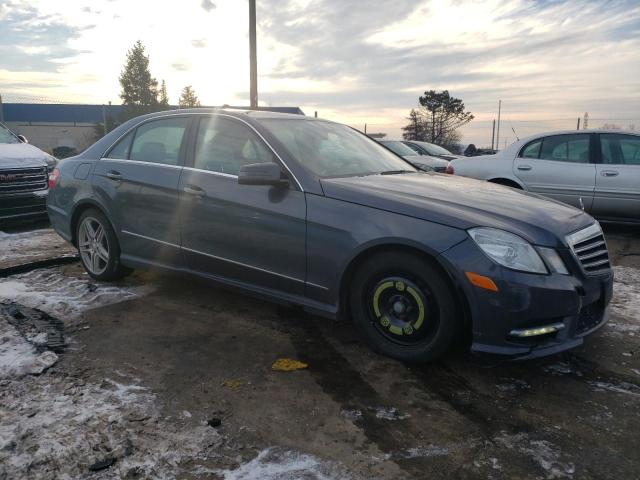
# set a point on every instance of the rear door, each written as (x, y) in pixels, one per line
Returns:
(247, 233)
(617, 193)
(138, 183)
(560, 167)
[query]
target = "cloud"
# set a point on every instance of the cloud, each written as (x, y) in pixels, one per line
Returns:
(208, 5)
(199, 43)
(31, 41)
(541, 58)
(181, 66)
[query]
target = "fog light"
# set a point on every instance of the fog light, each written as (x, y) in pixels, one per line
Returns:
(534, 332)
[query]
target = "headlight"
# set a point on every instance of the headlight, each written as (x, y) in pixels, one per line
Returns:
(508, 250)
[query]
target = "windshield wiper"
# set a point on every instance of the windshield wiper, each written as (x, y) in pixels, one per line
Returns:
(396, 172)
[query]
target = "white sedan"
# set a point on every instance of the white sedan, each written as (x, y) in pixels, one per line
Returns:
(596, 170)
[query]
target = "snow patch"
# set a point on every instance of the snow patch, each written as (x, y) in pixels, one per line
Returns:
(624, 387)
(281, 464)
(626, 294)
(61, 295)
(23, 245)
(52, 427)
(542, 452)
(390, 413)
(18, 357)
(423, 452)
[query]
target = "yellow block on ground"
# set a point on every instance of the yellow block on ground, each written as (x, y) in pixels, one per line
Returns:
(288, 365)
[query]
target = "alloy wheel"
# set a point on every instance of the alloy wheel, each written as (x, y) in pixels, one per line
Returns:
(93, 245)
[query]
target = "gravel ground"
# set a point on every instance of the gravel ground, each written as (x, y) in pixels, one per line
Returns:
(165, 377)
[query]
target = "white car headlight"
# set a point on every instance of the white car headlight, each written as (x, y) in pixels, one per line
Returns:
(508, 249)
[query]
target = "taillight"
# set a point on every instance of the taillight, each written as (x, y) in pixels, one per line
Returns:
(450, 170)
(53, 178)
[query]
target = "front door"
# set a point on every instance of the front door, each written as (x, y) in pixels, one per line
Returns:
(559, 167)
(246, 233)
(138, 182)
(617, 195)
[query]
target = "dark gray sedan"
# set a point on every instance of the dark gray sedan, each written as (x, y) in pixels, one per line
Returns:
(313, 213)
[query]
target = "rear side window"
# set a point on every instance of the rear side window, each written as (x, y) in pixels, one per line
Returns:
(566, 148)
(620, 149)
(225, 145)
(121, 149)
(159, 141)
(531, 150)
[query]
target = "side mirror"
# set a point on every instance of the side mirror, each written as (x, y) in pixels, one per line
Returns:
(23, 139)
(268, 173)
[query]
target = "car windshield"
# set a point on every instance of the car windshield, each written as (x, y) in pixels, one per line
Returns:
(6, 136)
(334, 150)
(435, 149)
(399, 148)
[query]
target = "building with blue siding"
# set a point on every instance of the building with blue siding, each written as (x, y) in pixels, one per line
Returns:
(70, 127)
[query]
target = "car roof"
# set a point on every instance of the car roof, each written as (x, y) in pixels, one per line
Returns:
(570, 132)
(236, 112)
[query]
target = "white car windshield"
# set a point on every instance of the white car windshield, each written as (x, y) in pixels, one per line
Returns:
(6, 136)
(334, 150)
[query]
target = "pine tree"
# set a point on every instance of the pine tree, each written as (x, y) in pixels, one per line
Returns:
(138, 87)
(188, 98)
(414, 130)
(163, 97)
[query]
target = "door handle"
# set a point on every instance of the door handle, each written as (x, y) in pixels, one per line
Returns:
(525, 167)
(193, 190)
(113, 175)
(609, 173)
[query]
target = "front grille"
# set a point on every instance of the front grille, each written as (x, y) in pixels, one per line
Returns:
(590, 248)
(23, 180)
(589, 317)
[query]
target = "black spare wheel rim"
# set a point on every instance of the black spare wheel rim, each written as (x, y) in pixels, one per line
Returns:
(402, 310)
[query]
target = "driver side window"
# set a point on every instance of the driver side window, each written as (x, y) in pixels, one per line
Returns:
(224, 146)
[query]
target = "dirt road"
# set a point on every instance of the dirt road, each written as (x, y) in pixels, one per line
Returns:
(170, 377)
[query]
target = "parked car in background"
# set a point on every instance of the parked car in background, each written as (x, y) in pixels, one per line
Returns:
(421, 161)
(598, 171)
(24, 172)
(314, 213)
(426, 148)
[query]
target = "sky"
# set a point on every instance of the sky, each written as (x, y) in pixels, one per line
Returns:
(356, 62)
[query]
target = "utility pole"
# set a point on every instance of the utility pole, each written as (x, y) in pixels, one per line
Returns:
(578, 127)
(253, 56)
(498, 133)
(365, 128)
(493, 133)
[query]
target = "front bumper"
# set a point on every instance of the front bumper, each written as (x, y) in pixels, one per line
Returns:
(23, 206)
(525, 301)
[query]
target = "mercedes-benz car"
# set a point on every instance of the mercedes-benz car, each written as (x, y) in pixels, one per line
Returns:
(431, 149)
(24, 171)
(421, 161)
(595, 170)
(313, 213)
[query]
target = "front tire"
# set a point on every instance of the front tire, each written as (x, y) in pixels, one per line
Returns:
(98, 247)
(404, 307)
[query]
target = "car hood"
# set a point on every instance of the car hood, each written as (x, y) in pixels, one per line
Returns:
(462, 203)
(17, 155)
(428, 160)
